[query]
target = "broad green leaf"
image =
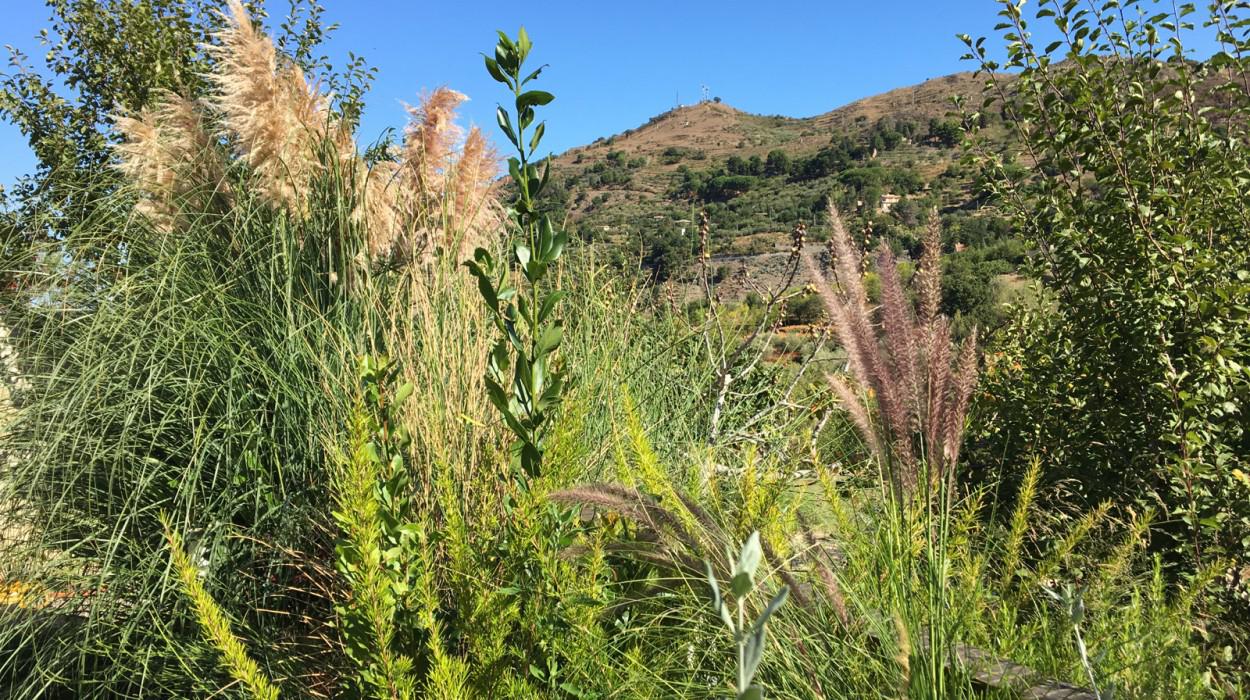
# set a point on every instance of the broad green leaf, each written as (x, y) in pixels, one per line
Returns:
(753, 652)
(505, 123)
(492, 67)
(549, 304)
(711, 581)
(523, 43)
(533, 98)
(550, 339)
(749, 557)
(535, 74)
(403, 393)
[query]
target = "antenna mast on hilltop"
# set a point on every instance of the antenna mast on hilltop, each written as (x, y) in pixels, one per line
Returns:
(703, 92)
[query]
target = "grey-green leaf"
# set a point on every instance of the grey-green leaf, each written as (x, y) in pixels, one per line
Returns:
(752, 693)
(749, 558)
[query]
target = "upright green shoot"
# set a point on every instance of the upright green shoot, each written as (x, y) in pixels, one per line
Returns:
(749, 640)
(377, 554)
(523, 314)
(215, 624)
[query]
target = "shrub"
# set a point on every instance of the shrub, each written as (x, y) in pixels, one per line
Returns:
(1130, 380)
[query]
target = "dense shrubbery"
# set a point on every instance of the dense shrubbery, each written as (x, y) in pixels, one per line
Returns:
(1131, 381)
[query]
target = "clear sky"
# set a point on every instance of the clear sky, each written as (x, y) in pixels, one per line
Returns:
(615, 64)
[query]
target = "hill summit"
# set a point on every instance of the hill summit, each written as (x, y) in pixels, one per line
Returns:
(758, 175)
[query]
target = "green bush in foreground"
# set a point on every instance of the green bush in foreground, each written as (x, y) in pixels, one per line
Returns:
(1131, 381)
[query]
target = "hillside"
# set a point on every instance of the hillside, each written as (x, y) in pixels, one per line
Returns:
(884, 160)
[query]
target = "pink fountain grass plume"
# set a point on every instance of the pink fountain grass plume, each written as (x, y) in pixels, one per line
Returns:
(912, 405)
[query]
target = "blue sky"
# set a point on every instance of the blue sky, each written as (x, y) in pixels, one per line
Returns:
(613, 65)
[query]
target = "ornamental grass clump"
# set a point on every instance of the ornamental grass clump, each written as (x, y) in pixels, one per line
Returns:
(910, 383)
(434, 192)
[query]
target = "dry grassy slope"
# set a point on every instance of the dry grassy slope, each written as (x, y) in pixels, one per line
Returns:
(720, 131)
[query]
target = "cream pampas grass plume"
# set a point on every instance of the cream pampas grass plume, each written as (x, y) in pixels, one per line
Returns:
(904, 395)
(437, 191)
(443, 183)
(168, 155)
(268, 110)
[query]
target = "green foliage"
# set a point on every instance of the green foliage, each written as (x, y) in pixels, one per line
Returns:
(379, 558)
(723, 187)
(968, 290)
(1131, 380)
(244, 349)
(749, 640)
(216, 626)
(109, 56)
(777, 164)
(807, 309)
(536, 386)
(339, 525)
(946, 132)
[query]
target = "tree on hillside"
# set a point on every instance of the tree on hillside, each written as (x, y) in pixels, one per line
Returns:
(945, 132)
(777, 163)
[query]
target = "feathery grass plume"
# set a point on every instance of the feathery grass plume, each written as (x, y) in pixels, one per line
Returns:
(213, 620)
(929, 276)
(430, 138)
(443, 185)
(271, 113)
(476, 213)
(961, 385)
(439, 192)
(909, 405)
(168, 154)
(1020, 515)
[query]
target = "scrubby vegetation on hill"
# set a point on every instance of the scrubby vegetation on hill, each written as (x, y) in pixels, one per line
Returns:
(289, 418)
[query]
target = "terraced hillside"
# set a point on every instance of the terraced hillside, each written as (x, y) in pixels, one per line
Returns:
(884, 160)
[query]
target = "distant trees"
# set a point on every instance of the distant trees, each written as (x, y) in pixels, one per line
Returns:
(777, 163)
(667, 252)
(946, 132)
(823, 163)
(722, 187)
(753, 166)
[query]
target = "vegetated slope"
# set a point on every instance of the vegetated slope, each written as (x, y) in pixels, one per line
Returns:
(884, 160)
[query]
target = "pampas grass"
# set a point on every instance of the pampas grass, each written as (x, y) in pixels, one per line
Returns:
(436, 193)
(440, 183)
(167, 155)
(906, 400)
(274, 118)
